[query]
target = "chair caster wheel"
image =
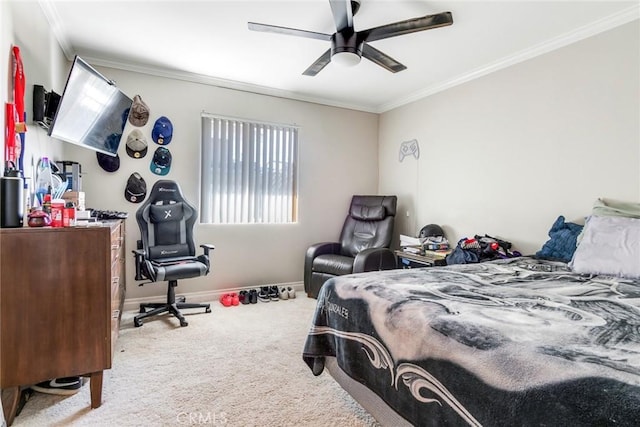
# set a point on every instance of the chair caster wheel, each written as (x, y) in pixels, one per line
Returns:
(184, 323)
(207, 310)
(142, 310)
(137, 323)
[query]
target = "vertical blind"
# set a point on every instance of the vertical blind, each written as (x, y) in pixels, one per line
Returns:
(249, 172)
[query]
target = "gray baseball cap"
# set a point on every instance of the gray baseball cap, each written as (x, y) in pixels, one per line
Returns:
(136, 144)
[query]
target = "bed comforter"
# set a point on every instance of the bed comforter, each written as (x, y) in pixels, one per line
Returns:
(517, 342)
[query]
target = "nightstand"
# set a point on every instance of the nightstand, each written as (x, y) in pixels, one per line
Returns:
(429, 259)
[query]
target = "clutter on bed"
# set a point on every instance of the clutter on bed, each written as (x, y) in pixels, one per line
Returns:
(480, 249)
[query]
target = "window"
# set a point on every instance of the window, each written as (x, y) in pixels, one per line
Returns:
(249, 172)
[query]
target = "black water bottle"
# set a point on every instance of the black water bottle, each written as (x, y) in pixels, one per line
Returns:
(11, 199)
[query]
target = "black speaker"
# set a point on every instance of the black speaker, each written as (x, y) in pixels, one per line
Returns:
(11, 200)
(51, 105)
(38, 103)
(45, 106)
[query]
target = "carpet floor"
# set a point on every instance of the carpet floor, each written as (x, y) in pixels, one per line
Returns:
(236, 366)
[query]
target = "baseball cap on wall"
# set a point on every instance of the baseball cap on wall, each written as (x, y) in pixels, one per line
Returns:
(139, 114)
(162, 131)
(161, 162)
(136, 145)
(107, 162)
(136, 189)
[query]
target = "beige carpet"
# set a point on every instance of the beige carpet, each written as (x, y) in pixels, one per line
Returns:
(236, 366)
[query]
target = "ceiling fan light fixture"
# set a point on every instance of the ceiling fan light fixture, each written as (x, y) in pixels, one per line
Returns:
(346, 59)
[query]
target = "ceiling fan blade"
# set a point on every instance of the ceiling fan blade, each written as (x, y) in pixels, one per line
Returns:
(405, 27)
(320, 63)
(382, 59)
(254, 26)
(342, 14)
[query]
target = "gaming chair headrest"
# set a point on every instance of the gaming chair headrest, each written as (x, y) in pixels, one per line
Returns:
(165, 190)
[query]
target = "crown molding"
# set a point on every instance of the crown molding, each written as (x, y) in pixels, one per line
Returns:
(51, 14)
(223, 83)
(607, 23)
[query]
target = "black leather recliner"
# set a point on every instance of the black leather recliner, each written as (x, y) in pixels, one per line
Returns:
(166, 251)
(364, 244)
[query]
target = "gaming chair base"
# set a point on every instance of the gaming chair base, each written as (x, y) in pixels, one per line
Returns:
(171, 306)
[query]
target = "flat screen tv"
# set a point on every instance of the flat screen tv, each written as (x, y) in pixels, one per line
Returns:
(92, 111)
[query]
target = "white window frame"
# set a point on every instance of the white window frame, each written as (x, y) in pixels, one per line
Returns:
(248, 171)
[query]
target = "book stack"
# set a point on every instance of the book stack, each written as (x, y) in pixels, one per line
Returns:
(433, 244)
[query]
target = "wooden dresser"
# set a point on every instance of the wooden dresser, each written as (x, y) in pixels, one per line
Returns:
(61, 297)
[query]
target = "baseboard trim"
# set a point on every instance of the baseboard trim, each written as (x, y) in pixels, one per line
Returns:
(133, 304)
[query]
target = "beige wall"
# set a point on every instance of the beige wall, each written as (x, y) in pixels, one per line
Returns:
(507, 153)
(338, 158)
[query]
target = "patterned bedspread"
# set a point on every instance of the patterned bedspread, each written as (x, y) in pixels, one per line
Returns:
(517, 342)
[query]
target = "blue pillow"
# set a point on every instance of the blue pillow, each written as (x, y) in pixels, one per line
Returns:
(563, 241)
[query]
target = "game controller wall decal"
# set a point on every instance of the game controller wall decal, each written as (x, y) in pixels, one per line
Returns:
(409, 148)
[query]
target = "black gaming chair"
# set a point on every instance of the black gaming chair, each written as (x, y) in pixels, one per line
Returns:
(363, 246)
(166, 251)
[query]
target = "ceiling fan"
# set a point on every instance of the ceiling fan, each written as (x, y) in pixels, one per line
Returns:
(349, 45)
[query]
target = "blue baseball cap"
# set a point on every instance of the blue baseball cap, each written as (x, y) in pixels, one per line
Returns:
(161, 161)
(162, 131)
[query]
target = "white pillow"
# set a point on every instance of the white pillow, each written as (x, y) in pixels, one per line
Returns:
(610, 245)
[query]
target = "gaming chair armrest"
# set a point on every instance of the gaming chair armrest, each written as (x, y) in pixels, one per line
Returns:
(140, 256)
(207, 247)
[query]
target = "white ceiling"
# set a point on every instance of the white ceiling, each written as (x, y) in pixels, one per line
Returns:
(208, 41)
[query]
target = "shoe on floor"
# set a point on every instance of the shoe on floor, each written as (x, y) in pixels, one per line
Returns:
(291, 292)
(235, 299)
(243, 297)
(283, 293)
(61, 386)
(253, 296)
(263, 295)
(226, 300)
(274, 294)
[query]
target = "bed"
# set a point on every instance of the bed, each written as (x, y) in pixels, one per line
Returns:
(521, 341)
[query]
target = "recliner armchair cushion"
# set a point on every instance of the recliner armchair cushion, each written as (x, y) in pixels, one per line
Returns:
(333, 264)
(368, 213)
(358, 235)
